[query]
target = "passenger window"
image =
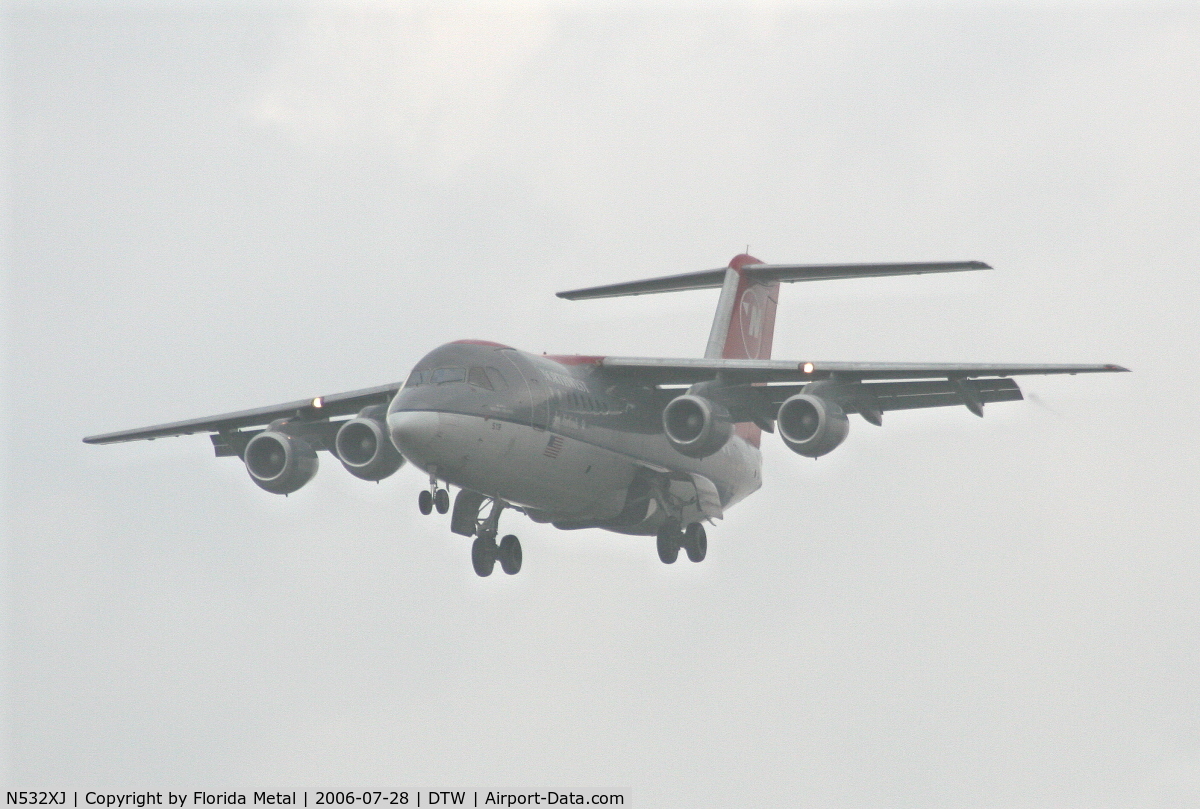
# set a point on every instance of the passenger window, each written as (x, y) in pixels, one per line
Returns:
(478, 378)
(498, 382)
(442, 375)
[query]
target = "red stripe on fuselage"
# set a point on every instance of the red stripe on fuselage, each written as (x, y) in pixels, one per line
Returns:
(479, 343)
(749, 432)
(573, 359)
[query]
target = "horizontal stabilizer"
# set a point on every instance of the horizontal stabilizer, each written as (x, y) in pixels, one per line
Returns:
(766, 273)
(825, 272)
(705, 279)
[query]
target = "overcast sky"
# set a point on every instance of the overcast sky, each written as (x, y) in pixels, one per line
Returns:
(214, 210)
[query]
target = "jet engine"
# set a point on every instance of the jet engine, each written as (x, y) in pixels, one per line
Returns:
(812, 426)
(364, 447)
(696, 426)
(278, 462)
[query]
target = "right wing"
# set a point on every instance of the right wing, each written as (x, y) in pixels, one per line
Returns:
(316, 408)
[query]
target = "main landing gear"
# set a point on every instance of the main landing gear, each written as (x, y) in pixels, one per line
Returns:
(671, 538)
(434, 497)
(485, 552)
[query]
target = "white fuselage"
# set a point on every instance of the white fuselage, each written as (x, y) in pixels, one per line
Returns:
(543, 446)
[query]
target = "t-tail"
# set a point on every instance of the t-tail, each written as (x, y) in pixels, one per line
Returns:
(744, 325)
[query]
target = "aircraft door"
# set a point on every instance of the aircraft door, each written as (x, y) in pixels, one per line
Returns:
(540, 391)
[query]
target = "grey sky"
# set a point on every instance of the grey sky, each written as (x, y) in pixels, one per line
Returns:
(217, 210)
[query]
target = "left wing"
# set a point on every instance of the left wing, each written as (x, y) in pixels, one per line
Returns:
(316, 408)
(751, 391)
(662, 371)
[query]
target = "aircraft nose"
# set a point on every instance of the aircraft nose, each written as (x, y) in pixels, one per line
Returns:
(413, 432)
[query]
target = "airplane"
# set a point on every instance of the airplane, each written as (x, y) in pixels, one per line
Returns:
(647, 446)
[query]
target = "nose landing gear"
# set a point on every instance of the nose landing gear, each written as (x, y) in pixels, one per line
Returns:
(434, 497)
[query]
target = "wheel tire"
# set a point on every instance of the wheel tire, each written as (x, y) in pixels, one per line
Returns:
(483, 556)
(696, 541)
(425, 501)
(510, 555)
(668, 543)
(442, 500)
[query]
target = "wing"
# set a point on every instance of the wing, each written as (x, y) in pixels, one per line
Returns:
(662, 371)
(754, 389)
(318, 407)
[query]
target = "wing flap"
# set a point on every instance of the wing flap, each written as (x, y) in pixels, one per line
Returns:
(883, 396)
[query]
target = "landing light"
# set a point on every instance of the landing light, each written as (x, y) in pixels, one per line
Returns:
(808, 368)
(318, 402)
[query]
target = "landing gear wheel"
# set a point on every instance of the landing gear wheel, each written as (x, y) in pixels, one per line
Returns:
(510, 555)
(442, 500)
(695, 540)
(425, 501)
(483, 555)
(668, 543)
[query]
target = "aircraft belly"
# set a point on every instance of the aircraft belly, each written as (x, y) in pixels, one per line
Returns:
(735, 469)
(523, 465)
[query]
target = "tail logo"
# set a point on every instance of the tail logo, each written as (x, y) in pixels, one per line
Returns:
(752, 312)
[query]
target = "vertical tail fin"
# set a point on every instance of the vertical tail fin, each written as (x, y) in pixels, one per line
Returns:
(744, 325)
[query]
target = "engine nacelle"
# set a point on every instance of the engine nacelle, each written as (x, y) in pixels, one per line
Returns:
(278, 462)
(696, 426)
(812, 426)
(364, 446)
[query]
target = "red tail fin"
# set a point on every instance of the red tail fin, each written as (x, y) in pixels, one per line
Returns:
(744, 326)
(745, 315)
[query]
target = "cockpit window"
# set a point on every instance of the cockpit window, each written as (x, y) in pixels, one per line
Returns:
(436, 376)
(498, 382)
(478, 378)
